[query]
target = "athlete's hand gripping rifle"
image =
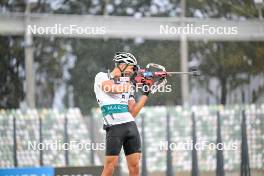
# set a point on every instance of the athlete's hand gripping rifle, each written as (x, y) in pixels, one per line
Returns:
(157, 78)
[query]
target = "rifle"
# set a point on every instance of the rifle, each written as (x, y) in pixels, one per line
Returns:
(157, 78)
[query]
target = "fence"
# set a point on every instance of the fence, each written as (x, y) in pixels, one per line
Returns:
(167, 137)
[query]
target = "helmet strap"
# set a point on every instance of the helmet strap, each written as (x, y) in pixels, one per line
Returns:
(122, 70)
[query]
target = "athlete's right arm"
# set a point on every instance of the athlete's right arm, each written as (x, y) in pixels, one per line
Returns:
(110, 86)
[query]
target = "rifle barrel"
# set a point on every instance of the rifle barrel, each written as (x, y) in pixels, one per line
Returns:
(194, 73)
(180, 72)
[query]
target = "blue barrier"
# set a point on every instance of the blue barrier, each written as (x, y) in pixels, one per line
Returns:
(28, 171)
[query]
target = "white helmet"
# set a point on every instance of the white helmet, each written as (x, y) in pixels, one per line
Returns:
(125, 57)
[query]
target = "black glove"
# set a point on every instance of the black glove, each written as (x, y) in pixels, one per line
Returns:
(146, 89)
(133, 82)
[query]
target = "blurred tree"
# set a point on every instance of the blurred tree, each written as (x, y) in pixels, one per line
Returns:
(12, 62)
(11, 72)
(230, 63)
(255, 56)
(48, 53)
(77, 7)
(226, 61)
(12, 6)
(120, 8)
(50, 65)
(232, 9)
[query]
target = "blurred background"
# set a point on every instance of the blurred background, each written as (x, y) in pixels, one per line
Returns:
(46, 91)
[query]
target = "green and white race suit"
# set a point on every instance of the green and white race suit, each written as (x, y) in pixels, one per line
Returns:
(114, 106)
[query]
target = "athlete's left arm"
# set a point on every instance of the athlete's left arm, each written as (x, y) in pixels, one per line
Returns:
(134, 107)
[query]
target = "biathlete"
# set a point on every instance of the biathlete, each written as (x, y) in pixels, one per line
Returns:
(119, 109)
